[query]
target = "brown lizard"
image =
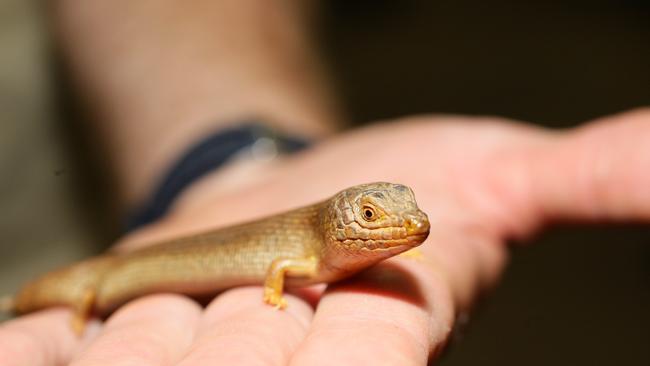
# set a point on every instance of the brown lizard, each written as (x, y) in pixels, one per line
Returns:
(323, 242)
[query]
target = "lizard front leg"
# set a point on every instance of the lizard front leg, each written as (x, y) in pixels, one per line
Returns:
(82, 310)
(281, 267)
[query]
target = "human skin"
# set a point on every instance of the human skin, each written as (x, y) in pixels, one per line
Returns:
(159, 75)
(480, 180)
(156, 76)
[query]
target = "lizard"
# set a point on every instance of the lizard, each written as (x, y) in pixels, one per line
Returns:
(320, 243)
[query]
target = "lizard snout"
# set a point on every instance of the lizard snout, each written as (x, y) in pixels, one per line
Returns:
(416, 224)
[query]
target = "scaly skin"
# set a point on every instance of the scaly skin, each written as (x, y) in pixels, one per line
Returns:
(324, 242)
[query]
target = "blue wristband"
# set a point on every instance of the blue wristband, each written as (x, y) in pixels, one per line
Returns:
(206, 156)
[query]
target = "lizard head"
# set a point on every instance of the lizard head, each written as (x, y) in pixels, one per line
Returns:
(374, 221)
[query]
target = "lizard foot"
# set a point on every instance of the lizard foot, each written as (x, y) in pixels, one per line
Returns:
(414, 254)
(275, 299)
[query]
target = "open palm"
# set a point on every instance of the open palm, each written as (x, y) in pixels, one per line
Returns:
(481, 181)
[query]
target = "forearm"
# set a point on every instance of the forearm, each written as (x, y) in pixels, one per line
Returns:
(158, 75)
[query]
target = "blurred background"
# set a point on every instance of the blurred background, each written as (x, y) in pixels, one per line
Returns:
(574, 296)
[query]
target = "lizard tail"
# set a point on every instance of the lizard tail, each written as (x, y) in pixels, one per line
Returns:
(7, 304)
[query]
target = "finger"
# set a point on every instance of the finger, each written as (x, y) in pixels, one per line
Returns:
(597, 172)
(401, 311)
(40, 339)
(155, 330)
(238, 328)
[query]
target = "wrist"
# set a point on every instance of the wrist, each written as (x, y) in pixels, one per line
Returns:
(230, 157)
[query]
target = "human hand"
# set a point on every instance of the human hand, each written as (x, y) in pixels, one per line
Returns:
(481, 181)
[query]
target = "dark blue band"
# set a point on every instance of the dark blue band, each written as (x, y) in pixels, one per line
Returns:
(207, 155)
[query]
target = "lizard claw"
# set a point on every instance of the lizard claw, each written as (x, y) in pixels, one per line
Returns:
(275, 299)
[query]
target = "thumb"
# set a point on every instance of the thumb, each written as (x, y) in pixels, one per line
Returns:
(598, 172)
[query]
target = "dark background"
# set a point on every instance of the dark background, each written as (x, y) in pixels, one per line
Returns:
(575, 295)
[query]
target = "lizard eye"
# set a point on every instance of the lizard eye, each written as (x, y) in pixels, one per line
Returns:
(369, 213)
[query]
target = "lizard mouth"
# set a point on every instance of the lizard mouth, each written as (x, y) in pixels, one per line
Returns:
(418, 238)
(384, 244)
